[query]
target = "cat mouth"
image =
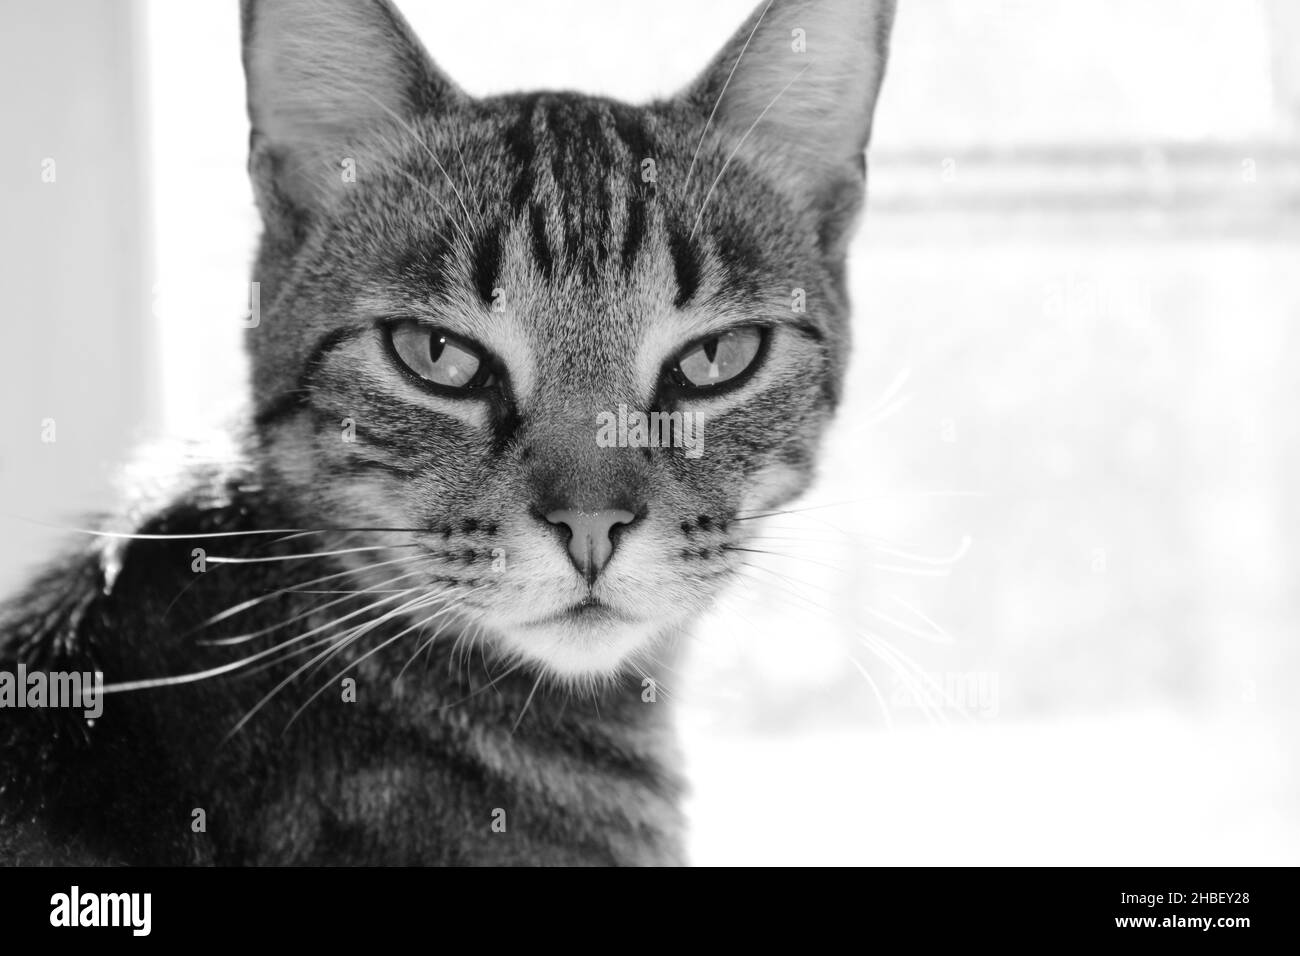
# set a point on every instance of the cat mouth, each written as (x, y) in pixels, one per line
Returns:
(587, 611)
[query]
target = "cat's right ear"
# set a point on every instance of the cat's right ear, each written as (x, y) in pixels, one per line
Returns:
(321, 74)
(799, 81)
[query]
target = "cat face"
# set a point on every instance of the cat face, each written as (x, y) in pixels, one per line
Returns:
(569, 347)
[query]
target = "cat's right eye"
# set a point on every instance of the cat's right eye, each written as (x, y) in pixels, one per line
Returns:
(443, 360)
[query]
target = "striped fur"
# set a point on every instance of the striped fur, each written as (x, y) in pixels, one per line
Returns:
(582, 243)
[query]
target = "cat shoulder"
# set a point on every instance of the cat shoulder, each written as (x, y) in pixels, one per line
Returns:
(50, 621)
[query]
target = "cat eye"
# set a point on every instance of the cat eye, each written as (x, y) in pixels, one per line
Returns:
(440, 358)
(719, 359)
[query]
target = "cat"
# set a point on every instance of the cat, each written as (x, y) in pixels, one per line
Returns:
(421, 617)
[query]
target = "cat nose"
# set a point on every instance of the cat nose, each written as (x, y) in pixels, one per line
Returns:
(591, 536)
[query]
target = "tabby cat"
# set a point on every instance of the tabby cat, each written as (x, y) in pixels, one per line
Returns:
(421, 619)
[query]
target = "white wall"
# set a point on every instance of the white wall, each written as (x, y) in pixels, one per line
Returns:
(73, 254)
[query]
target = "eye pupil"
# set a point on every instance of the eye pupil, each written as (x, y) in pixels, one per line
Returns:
(711, 350)
(436, 346)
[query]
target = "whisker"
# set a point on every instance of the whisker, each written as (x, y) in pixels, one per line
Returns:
(153, 682)
(659, 686)
(352, 591)
(787, 579)
(472, 637)
(308, 557)
(422, 646)
(338, 642)
(197, 536)
(253, 635)
(940, 638)
(423, 598)
(288, 654)
(185, 590)
(253, 602)
(135, 536)
(472, 694)
(903, 676)
(709, 195)
(919, 674)
(795, 511)
(779, 554)
(245, 638)
(948, 639)
(844, 504)
(180, 594)
(723, 92)
(886, 413)
(432, 195)
(956, 556)
(322, 627)
(376, 649)
(891, 391)
(528, 700)
(469, 180)
(423, 145)
(913, 677)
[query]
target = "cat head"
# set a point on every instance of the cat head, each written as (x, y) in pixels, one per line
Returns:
(569, 346)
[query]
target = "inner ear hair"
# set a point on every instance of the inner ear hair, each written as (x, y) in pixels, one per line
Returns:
(322, 75)
(795, 90)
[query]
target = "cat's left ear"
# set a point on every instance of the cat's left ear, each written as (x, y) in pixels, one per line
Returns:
(796, 89)
(321, 75)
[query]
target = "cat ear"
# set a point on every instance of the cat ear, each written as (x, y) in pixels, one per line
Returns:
(799, 82)
(321, 73)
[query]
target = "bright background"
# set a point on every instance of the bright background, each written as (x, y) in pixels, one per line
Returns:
(1043, 606)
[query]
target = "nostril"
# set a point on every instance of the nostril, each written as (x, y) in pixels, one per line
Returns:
(616, 530)
(592, 535)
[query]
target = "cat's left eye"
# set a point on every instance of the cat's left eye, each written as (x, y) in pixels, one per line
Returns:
(718, 360)
(439, 358)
